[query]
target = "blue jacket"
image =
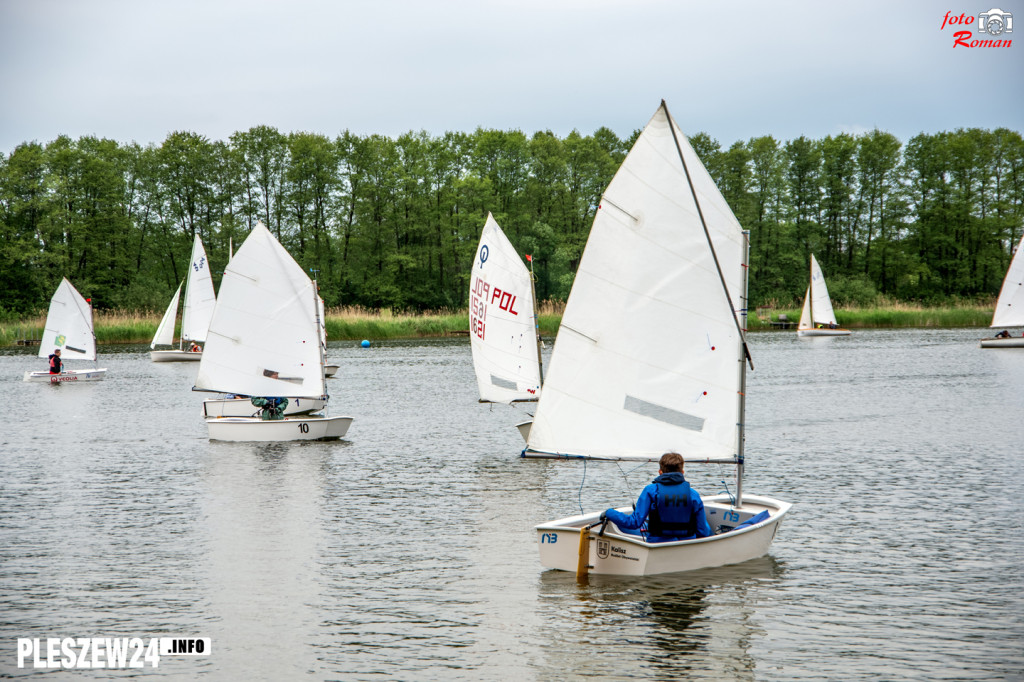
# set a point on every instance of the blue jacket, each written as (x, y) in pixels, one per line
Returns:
(672, 509)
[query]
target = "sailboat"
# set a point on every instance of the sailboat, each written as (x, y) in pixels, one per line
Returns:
(817, 317)
(265, 341)
(1009, 310)
(651, 357)
(503, 330)
(68, 328)
(195, 316)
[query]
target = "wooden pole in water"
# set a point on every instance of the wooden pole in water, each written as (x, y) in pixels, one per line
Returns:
(583, 565)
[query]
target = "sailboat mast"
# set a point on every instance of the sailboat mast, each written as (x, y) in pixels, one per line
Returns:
(184, 303)
(741, 413)
(319, 336)
(810, 292)
(536, 323)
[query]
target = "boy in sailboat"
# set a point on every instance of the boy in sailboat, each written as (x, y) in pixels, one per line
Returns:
(56, 366)
(672, 509)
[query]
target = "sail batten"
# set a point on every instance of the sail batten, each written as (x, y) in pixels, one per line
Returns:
(651, 366)
(1009, 310)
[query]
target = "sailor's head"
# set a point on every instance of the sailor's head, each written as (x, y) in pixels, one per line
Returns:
(671, 461)
(57, 351)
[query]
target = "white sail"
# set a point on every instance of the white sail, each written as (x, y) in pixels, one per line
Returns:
(821, 304)
(805, 314)
(165, 332)
(199, 296)
(264, 339)
(68, 326)
(1010, 306)
(645, 361)
(502, 321)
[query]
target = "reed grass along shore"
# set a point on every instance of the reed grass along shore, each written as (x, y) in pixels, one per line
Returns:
(353, 323)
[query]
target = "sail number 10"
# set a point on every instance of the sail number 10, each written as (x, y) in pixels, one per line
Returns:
(304, 427)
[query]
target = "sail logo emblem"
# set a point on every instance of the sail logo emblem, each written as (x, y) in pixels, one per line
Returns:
(198, 265)
(995, 22)
(602, 548)
(61, 340)
(484, 252)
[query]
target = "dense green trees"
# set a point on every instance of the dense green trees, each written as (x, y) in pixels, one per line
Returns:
(385, 222)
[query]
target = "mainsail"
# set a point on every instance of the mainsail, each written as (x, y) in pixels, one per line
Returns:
(1009, 310)
(645, 361)
(264, 338)
(817, 303)
(68, 326)
(199, 296)
(165, 332)
(502, 321)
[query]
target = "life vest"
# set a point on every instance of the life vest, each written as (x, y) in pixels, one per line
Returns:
(55, 364)
(673, 514)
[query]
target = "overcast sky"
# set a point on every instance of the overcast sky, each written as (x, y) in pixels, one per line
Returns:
(136, 70)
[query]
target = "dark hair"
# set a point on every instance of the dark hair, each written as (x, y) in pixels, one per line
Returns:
(671, 461)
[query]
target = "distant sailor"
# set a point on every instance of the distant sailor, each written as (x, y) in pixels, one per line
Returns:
(195, 348)
(672, 509)
(56, 366)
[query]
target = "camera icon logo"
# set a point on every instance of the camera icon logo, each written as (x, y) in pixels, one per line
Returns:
(995, 22)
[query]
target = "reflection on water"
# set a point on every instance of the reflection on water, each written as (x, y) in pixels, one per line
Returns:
(407, 550)
(672, 624)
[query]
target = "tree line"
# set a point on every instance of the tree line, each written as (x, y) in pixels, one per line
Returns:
(393, 222)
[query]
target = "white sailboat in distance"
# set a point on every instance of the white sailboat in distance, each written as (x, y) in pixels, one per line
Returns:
(503, 322)
(1009, 310)
(651, 357)
(195, 316)
(68, 328)
(265, 341)
(817, 317)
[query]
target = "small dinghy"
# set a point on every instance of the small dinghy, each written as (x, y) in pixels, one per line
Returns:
(69, 328)
(266, 340)
(817, 317)
(195, 315)
(1009, 310)
(503, 329)
(651, 357)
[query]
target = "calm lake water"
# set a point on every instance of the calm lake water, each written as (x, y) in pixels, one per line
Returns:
(406, 551)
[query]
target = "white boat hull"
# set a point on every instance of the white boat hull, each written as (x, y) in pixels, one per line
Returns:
(330, 370)
(616, 553)
(243, 407)
(68, 377)
(250, 429)
(1011, 342)
(174, 356)
(823, 332)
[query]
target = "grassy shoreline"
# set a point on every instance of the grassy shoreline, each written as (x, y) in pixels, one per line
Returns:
(355, 324)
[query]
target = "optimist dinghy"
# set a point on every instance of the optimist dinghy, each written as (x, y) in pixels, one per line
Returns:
(503, 329)
(1009, 310)
(69, 327)
(651, 357)
(265, 340)
(195, 316)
